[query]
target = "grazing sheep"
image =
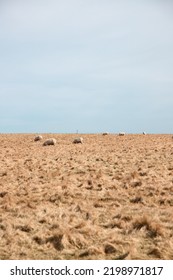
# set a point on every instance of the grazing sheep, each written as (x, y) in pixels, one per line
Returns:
(121, 133)
(105, 133)
(38, 138)
(144, 133)
(78, 140)
(50, 141)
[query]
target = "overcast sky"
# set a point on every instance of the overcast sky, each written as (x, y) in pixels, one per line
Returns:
(91, 66)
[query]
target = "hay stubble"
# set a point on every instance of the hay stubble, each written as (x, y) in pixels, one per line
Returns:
(108, 198)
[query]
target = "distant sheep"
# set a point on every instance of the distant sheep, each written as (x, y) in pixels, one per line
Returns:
(105, 133)
(144, 133)
(78, 140)
(121, 133)
(38, 138)
(50, 141)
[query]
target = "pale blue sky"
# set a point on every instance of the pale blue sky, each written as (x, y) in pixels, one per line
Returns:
(91, 66)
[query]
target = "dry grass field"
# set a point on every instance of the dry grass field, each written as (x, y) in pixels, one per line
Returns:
(108, 198)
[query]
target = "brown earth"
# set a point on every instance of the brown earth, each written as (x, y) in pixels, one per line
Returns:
(108, 198)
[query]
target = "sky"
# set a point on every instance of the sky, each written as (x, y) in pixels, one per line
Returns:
(88, 66)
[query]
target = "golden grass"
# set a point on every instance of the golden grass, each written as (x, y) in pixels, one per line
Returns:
(109, 198)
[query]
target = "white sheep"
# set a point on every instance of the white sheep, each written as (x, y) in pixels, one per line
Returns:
(105, 133)
(38, 138)
(78, 140)
(121, 133)
(144, 133)
(50, 141)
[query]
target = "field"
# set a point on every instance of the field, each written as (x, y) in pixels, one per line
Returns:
(108, 198)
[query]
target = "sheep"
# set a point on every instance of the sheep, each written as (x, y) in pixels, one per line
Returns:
(38, 138)
(121, 133)
(50, 141)
(78, 140)
(105, 133)
(144, 133)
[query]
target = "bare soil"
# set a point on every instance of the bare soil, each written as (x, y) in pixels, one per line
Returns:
(108, 198)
